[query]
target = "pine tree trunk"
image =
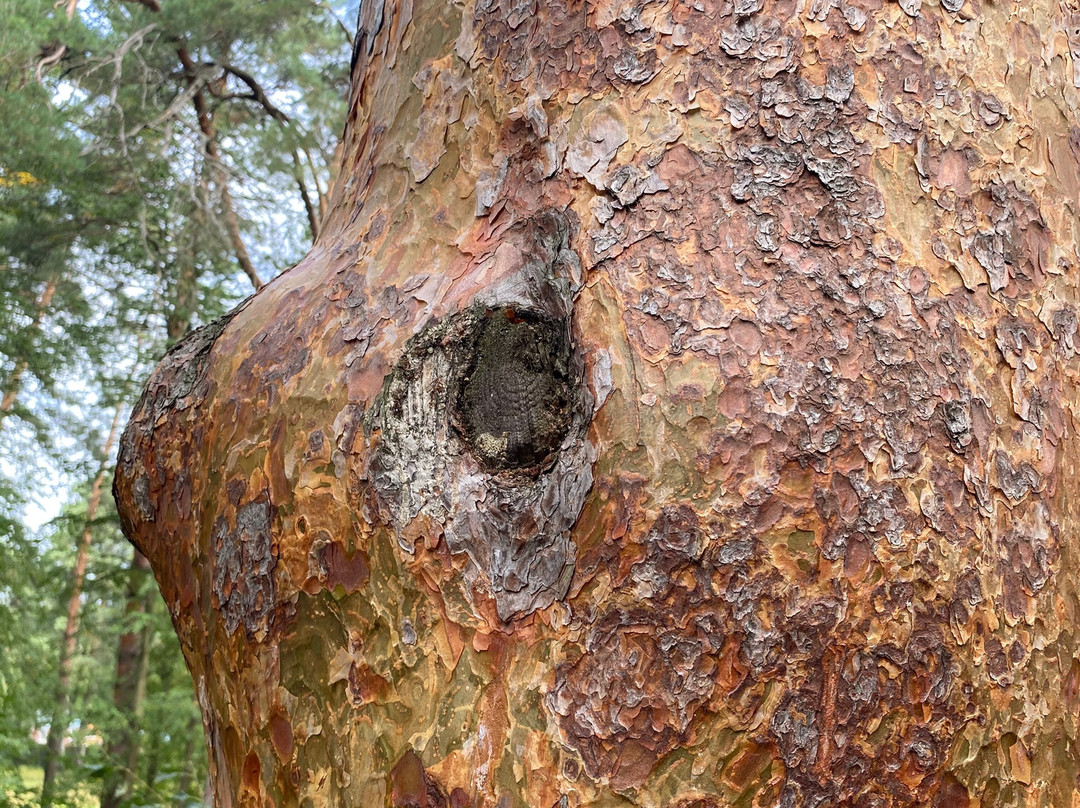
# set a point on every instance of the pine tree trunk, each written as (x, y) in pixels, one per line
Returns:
(153, 755)
(138, 709)
(677, 409)
(129, 690)
(187, 775)
(59, 723)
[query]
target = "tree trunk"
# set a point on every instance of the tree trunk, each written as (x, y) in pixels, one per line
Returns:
(153, 755)
(138, 706)
(187, 775)
(129, 690)
(676, 409)
(59, 723)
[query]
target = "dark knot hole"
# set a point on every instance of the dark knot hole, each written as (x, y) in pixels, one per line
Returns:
(513, 407)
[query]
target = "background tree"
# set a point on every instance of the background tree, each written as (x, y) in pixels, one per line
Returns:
(120, 220)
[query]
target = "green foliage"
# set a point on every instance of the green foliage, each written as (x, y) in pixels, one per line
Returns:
(27, 639)
(113, 242)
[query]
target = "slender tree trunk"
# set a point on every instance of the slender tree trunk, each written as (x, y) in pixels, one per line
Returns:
(153, 756)
(187, 775)
(14, 382)
(678, 408)
(11, 389)
(129, 689)
(183, 301)
(138, 707)
(153, 761)
(217, 167)
(59, 723)
(232, 225)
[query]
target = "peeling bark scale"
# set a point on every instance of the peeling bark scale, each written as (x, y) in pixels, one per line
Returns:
(677, 409)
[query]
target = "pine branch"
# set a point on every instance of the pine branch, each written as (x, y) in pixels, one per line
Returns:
(257, 92)
(221, 177)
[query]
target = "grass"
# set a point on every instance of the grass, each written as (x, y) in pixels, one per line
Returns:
(29, 795)
(32, 777)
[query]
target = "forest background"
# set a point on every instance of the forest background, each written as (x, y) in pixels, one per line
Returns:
(159, 161)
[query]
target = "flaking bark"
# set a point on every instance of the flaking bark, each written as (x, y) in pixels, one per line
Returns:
(809, 536)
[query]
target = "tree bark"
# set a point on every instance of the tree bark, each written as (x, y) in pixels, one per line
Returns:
(129, 689)
(677, 409)
(59, 723)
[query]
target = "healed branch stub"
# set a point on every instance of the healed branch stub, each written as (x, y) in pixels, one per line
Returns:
(678, 408)
(482, 422)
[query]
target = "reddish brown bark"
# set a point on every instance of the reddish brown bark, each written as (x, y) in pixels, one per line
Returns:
(677, 409)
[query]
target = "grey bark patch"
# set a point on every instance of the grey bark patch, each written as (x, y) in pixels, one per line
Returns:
(635, 69)
(739, 38)
(795, 731)
(191, 356)
(839, 83)
(1064, 328)
(482, 428)
(957, 417)
(244, 562)
(141, 491)
(592, 151)
(744, 8)
(369, 23)
(1015, 482)
(629, 183)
